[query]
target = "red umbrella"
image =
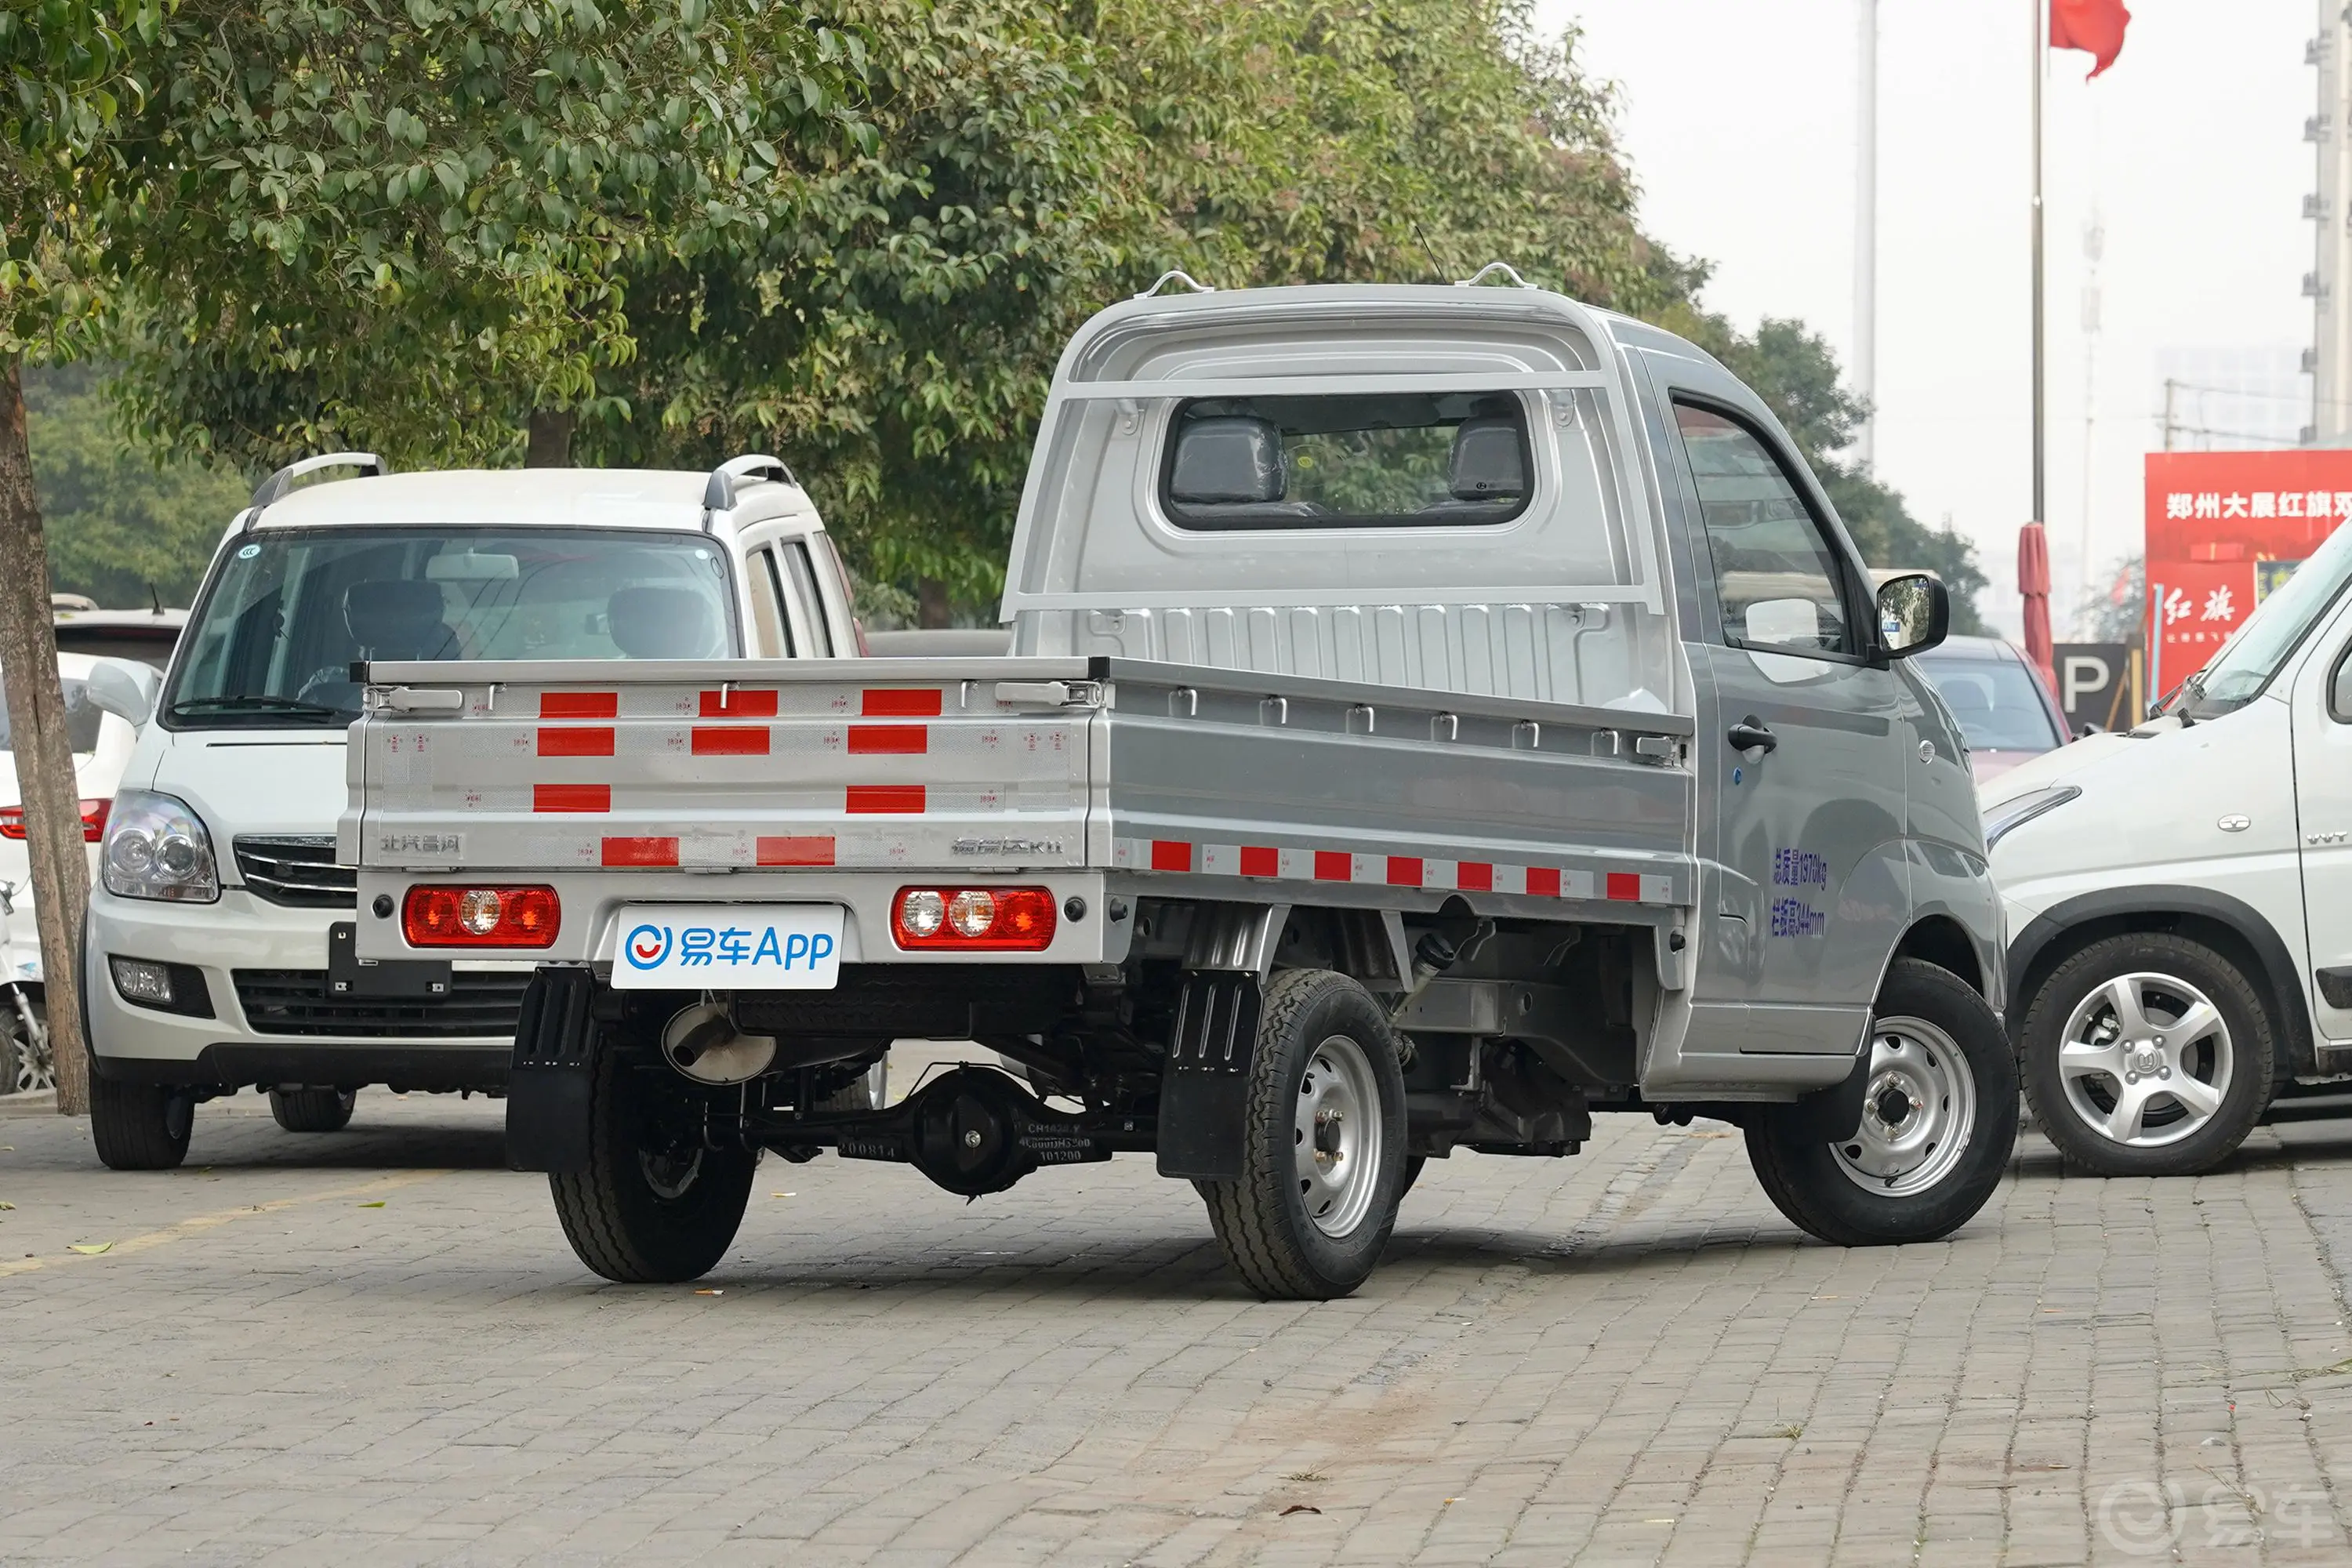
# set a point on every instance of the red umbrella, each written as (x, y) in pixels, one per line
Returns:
(2034, 586)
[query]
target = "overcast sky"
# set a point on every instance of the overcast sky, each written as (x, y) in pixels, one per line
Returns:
(1739, 119)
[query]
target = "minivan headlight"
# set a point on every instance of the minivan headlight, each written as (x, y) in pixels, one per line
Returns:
(157, 849)
(2011, 815)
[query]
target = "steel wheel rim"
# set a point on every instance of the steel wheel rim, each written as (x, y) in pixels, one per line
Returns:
(1336, 1136)
(2146, 1061)
(668, 1176)
(1919, 1110)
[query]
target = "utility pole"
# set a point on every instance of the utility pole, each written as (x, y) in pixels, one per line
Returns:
(2038, 10)
(2171, 411)
(1865, 235)
(2328, 284)
(2094, 247)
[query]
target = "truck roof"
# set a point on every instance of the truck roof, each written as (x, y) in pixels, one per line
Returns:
(523, 498)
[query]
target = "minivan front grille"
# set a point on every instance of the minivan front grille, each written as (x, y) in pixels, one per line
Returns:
(481, 1004)
(297, 870)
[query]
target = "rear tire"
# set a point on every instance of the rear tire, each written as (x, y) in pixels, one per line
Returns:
(1323, 1144)
(656, 1205)
(140, 1126)
(312, 1110)
(1939, 1118)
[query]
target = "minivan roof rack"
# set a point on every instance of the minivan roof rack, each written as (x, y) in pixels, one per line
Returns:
(719, 495)
(273, 488)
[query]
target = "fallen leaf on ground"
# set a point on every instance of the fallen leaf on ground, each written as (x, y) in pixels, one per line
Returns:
(1299, 1507)
(8, 1205)
(87, 1248)
(377, 1205)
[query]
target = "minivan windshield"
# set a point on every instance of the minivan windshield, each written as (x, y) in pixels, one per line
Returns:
(287, 613)
(2248, 660)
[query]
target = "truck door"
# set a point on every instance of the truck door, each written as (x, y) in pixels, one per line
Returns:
(2322, 722)
(1800, 757)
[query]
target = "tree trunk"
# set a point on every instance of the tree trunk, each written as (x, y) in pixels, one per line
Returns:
(931, 603)
(549, 445)
(44, 750)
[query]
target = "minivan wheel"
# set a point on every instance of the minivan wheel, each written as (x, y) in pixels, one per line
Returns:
(140, 1126)
(1323, 1144)
(312, 1110)
(2146, 1054)
(658, 1204)
(1939, 1119)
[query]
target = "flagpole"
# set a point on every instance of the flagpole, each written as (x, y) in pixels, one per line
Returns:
(2039, 11)
(1866, 236)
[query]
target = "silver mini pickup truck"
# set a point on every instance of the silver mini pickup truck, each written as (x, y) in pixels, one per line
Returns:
(1434, 716)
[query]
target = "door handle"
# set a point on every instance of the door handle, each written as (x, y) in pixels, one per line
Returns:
(1750, 735)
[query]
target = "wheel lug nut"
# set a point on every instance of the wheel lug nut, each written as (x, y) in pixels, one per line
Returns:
(2131, 1077)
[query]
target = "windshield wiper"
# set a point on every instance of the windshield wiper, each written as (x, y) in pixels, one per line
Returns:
(253, 702)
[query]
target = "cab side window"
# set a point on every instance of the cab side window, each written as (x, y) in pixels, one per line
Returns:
(1776, 576)
(803, 581)
(772, 632)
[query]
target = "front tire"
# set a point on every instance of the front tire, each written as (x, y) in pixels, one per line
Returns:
(140, 1126)
(2147, 1055)
(312, 1110)
(1939, 1118)
(657, 1205)
(1323, 1144)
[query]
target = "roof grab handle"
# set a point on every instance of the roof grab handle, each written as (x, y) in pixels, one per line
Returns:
(273, 488)
(1176, 275)
(1505, 267)
(719, 495)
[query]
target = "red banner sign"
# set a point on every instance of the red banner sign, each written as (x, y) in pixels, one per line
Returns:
(2223, 529)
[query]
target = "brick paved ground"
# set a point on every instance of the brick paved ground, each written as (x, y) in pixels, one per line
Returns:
(1626, 1357)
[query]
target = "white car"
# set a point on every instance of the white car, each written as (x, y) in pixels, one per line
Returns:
(218, 951)
(2180, 900)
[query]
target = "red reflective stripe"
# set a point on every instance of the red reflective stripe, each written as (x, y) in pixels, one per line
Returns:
(794, 851)
(571, 797)
(579, 704)
(739, 705)
(1171, 855)
(1542, 883)
(1625, 885)
(730, 740)
(900, 704)
(889, 740)
(872, 800)
(575, 742)
(640, 852)
(1404, 871)
(1330, 866)
(1258, 862)
(1473, 877)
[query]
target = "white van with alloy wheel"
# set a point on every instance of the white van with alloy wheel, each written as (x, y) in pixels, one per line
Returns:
(2179, 900)
(218, 951)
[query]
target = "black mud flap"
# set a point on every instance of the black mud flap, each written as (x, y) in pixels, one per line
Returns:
(1205, 1087)
(554, 1062)
(1834, 1114)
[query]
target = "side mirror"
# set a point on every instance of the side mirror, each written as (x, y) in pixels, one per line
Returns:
(1914, 613)
(124, 688)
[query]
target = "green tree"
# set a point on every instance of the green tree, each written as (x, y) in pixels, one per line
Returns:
(72, 71)
(120, 526)
(1796, 373)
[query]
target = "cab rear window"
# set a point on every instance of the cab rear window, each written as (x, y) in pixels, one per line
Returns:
(1390, 460)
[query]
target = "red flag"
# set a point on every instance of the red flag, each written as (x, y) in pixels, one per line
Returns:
(2094, 26)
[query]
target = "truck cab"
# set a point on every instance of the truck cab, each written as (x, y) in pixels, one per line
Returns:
(218, 951)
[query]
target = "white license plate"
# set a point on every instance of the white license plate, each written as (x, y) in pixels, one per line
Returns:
(729, 947)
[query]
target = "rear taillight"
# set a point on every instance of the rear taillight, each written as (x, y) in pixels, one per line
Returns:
(93, 820)
(481, 916)
(974, 920)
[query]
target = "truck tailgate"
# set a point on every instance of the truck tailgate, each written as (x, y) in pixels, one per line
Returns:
(754, 763)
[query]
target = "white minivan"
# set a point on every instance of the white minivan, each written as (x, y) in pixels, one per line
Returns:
(218, 949)
(2180, 900)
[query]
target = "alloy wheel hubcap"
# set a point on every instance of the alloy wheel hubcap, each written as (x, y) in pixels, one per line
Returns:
(2147, 1061)
(1337, 1136)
